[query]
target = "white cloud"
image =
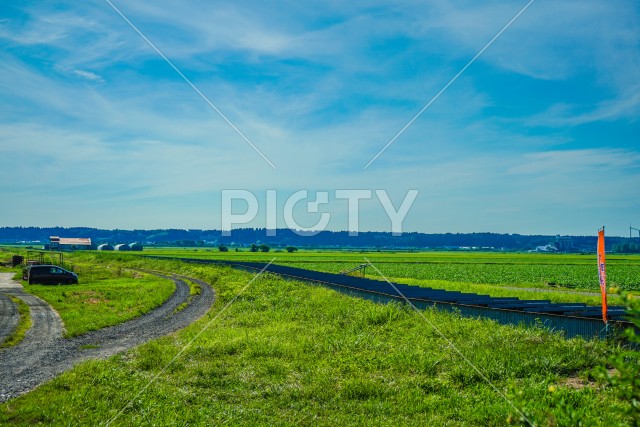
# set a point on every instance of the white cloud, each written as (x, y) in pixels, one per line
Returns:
(88, 75)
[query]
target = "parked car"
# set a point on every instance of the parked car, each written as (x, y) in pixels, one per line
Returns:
(49, 274)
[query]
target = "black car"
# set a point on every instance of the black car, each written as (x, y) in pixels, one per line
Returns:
(49, 274)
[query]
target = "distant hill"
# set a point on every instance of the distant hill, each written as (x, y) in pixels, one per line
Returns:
(285, 237)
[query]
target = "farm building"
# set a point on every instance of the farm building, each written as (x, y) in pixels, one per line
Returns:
(70, 243)
(564, 243)
(105, 247)
(122, 247)
(135, 246)
(545, 248)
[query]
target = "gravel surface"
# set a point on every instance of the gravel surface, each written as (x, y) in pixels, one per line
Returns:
(44, 353)
(8, 316)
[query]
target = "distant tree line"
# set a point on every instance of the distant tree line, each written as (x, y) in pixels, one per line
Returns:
(626, 248)
(285, 237)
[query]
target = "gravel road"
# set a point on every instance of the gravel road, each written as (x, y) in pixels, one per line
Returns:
(44, 353)
(8, 316)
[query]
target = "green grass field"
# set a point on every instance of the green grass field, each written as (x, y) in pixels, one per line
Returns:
(288, 353)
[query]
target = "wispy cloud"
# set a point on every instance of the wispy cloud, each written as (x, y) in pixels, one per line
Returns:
(626, 107)
(576, 161)
(88, 75)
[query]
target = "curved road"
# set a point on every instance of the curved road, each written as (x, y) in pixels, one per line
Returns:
(8, 316)
(44, 353)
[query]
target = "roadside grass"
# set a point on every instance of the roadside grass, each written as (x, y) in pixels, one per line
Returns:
(24, 323)
(287, 353)
(17, 271)
(194, 289)
(5, 269)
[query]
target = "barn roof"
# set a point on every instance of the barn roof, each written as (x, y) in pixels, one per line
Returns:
(78, 241)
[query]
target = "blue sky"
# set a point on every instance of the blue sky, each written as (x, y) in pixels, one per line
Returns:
(539, 135)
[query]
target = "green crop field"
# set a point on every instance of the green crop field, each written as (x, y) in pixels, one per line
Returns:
(518, 269)
(556, 277)
(289, 353)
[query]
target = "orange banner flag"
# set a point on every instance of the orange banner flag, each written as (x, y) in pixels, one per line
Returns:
(602, 273)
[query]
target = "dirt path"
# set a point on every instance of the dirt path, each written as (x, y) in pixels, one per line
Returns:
(46, 324)
(43, 353)
(40, 339)
(8, 316)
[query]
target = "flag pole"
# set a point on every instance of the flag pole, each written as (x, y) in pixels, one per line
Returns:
(602, 276)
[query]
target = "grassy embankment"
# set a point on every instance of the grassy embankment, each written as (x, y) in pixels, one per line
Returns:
(287, 353)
